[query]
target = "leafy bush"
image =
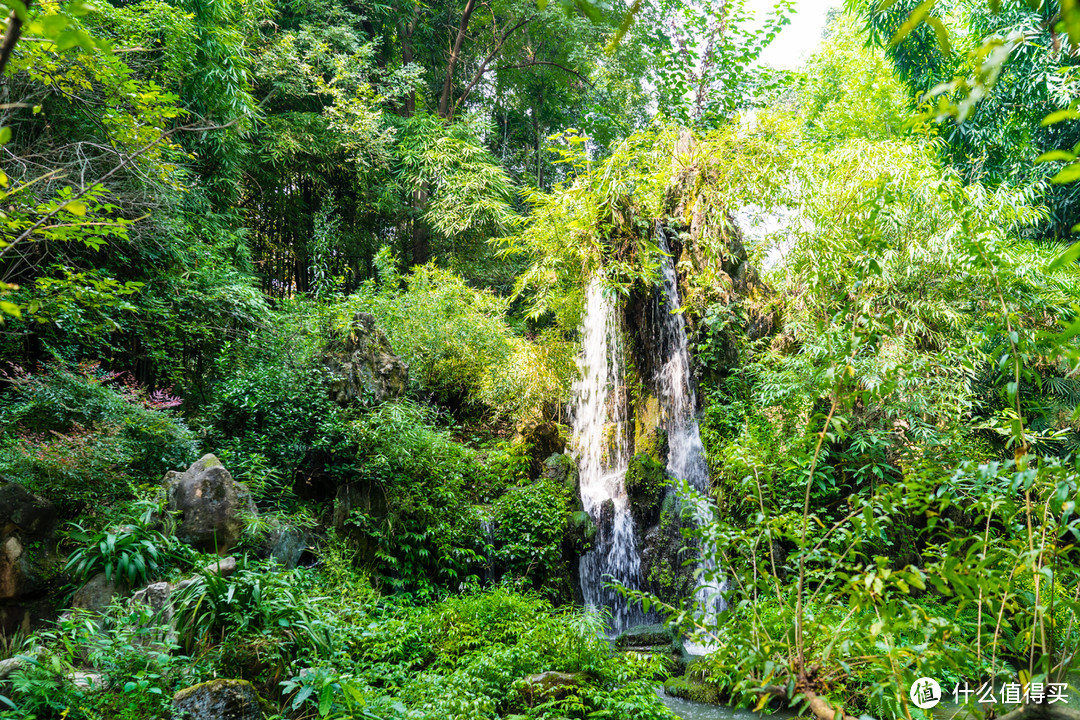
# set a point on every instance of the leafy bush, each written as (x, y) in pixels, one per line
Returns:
(460, 346)
(214, 609)
(87, 436)
(530, 522)
(134, 552)
(271, 414)
(138, 670)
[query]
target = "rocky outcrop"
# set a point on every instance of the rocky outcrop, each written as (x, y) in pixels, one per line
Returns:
(213, 507)
(665, 571)
(543, 439)
(27, 536)
(286, 545)
(364, 367)
(362, 498)
(221, 700)
(30, 569)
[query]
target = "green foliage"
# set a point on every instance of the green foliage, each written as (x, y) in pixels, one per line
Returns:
(212, 609)
(1000, 74)
(460, 346)
(70, 428)
(530, 522)
(134, 553)
(138, 670)
(272, 408)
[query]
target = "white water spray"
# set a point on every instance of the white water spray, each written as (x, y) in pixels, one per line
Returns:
(602, 446)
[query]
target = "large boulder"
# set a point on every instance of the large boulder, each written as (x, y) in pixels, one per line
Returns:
(213, 507)
(27, 543)
(220, 700)
(364, 367)
(98, 593)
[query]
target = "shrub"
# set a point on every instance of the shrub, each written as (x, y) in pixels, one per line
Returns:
(135, 551)
(530, 523)
(460, 346)
(87, 436)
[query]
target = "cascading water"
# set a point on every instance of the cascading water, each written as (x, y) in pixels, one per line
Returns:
(678, 402)
(601, 433)
(603, 452)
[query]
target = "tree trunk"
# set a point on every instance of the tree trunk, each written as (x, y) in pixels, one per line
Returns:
(406, 33)
(421, 234)
(455, 53)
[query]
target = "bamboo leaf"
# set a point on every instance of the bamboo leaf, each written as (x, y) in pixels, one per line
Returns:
(917, 16)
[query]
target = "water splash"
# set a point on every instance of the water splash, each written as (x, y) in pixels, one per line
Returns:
(602, 447)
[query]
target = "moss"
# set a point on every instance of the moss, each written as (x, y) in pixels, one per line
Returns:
(645, 477)
(649, 437)
(700, 692)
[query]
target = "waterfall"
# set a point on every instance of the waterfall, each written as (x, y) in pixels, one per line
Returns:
(600, 432)
(678, 401)
(602, 441)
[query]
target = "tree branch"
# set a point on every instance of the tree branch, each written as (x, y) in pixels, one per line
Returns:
(455, 52)
(482, 70)
(123, 163)
(14, 31)
(534, 62)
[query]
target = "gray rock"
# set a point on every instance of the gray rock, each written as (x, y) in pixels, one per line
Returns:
(27, 539)
(86, 680)
(213, 507)
(220, 700)
(359, 497)
(286, 545)
(98, 593)
(10, 665)
(364, 367)
(224, 567)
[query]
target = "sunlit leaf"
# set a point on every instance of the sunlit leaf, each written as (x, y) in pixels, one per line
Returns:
(1056, 156)
(942, 35)
(1060, 116)
(913, 21)
(1067, 174)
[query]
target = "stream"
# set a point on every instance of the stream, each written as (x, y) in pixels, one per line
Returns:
(690, 710)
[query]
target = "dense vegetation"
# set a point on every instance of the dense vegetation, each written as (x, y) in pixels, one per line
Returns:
(204, 203)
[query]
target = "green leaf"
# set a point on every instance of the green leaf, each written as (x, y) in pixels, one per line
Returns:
(1070, 256)
(1060, 116)
(913, 21)
(1067, 174)
(1070, 14)
(942, 35)
(5, 135)
(1070, 331)
(76, 207)
(10, 308)
(1056, 156)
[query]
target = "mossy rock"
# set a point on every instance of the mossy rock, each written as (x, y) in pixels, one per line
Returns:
(221, 699)
(646, 482)
(656, 635)
(580, 532)
(700, 692)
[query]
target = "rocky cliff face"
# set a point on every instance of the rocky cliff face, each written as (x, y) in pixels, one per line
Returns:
(363, 366)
